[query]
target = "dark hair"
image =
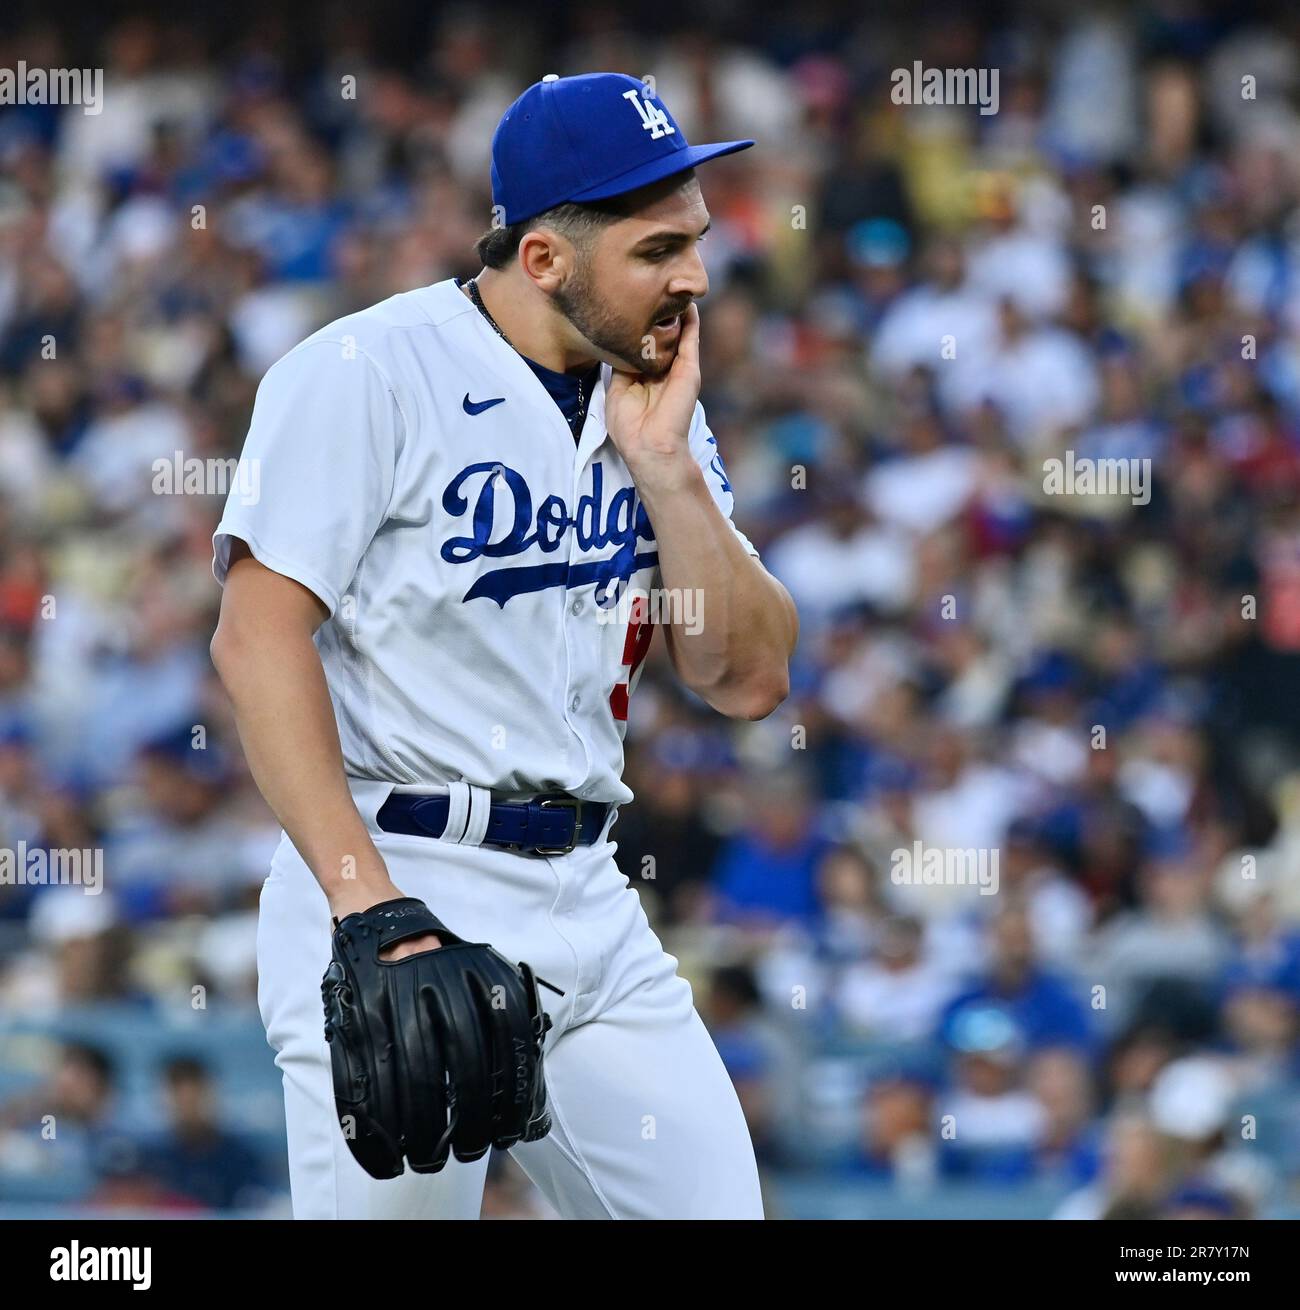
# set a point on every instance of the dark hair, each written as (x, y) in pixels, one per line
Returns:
(186, 1068)
(498, 246)
(737, 983)
(93, 1058)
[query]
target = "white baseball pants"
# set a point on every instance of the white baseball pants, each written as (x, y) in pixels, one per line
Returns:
(646, 1123)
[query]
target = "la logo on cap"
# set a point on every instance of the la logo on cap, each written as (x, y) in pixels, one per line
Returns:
(653, 119)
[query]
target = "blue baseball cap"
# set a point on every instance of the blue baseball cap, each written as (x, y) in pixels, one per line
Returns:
(586, 138)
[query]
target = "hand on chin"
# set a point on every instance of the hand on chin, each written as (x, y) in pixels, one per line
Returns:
(648, 417)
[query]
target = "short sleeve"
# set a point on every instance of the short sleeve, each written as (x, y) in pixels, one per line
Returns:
(318, 468)
(704, 447)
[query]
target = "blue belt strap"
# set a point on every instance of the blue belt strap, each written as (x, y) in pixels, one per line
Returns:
(552, 824)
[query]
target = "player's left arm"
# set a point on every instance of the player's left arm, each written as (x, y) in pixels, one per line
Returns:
(734, 626)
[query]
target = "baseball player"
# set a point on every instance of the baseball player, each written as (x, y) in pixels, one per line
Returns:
(433, 618)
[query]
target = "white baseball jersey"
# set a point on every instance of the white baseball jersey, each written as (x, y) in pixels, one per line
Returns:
(413, 473)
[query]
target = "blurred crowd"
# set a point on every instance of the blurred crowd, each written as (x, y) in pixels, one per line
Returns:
(912, 308)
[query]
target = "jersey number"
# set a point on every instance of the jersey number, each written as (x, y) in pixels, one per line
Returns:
(639, 635)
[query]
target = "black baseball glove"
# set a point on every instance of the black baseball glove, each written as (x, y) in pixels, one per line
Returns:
(437, 1052)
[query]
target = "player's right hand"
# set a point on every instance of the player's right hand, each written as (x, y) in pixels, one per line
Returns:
(354, 896)
(427, 942)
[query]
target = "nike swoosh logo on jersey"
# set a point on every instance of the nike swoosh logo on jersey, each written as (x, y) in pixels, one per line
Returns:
(478, 406)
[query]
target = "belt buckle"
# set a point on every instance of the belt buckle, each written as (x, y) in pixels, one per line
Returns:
(559, 802)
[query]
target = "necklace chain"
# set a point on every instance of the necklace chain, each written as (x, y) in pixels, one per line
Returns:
(476, 297)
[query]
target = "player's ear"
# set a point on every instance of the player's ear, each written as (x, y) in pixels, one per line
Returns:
(547, 258)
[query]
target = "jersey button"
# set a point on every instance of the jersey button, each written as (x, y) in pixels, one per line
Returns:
(575, 702)
(576, 607)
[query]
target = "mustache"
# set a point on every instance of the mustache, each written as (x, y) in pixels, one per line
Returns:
(672, 312)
